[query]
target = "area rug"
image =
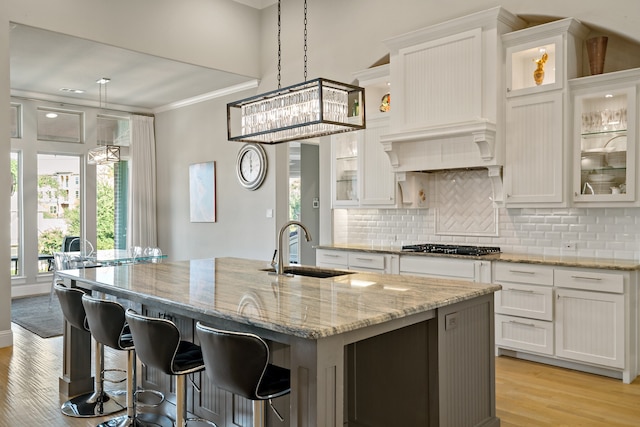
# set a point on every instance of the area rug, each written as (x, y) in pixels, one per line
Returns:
(35, 315)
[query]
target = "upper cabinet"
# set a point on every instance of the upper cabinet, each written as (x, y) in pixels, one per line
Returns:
(445, 79)
(539, 61)
(362, 172)
(605, 139)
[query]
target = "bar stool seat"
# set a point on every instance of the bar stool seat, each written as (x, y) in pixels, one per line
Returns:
(239, 363)
(106, 319)
(100, 402)
(158, 345)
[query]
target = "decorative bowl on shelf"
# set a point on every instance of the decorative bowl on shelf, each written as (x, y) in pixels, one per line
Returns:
(601, 177)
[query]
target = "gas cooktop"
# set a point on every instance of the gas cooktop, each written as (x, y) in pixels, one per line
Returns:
(452, 249)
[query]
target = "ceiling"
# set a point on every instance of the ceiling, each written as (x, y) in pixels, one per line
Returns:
(42, 62)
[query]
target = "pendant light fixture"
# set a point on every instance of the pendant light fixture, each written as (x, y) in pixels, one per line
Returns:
(310, 109)
(103, 154)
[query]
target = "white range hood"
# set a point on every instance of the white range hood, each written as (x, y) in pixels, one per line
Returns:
(469, 145)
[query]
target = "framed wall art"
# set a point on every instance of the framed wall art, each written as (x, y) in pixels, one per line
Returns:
(202, 192)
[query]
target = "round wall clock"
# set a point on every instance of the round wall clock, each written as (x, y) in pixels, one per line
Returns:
(251, 166)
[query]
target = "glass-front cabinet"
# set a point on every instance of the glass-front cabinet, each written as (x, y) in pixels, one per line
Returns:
(605, 139)
(345, 169)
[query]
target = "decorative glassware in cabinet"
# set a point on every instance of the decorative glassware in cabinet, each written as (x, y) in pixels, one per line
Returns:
(346, 167)
(603, 144)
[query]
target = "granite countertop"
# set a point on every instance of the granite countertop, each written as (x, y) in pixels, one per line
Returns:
(560, 261)
(240, 290)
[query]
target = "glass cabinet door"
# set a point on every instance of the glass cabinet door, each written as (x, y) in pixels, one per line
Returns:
(603, 123)
(345, 149)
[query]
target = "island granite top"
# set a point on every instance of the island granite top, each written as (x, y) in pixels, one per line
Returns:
(240, 290)
(553, 260)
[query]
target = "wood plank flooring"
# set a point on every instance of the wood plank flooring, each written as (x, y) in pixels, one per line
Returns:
(527, 393)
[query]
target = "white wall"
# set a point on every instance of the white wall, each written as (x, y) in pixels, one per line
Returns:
(198, 134)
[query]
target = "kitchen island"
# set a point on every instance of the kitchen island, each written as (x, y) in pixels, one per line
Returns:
(363, 349)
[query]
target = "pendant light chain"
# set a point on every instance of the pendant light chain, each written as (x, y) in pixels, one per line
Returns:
(279, 44)
(305, 40)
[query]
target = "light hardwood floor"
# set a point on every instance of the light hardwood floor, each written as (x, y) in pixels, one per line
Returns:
(527, 394)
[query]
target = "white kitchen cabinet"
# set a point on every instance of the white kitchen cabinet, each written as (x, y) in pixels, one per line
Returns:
(362, 261)
(446, 268)
(345, 172)
(524, 307)
(539, 61)
(605, 135)
(362, 172)
(332, 259)
(581, 318)
(590, 327)
(534, 171)
(378, 186)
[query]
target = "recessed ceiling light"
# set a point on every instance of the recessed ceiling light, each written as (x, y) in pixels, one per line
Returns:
(66, 89)
(51, 115)
(609, 95)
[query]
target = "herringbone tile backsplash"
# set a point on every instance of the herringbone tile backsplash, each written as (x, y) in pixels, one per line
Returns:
(460, 213)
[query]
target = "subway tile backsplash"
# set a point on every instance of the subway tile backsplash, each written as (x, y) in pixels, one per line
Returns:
(593, 232)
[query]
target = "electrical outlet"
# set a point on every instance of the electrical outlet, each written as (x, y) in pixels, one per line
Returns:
(568, 245)
(450, 321)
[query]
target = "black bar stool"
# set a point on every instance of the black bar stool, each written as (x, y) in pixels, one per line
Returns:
(108, 326)
(100, 402)
(239, 362)
(158, 345)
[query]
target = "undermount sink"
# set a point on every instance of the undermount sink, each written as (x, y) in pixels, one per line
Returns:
(321, 273)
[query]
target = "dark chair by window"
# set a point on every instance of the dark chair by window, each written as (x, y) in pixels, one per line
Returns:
(71, 244)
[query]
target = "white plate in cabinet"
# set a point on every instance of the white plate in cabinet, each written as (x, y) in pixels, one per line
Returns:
(535, 302)
(524, 334)
(523, 273)
(335, 259)
(590, 327)
(366, 261)
(589, 280)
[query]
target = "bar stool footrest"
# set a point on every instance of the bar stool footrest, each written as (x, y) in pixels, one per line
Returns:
(144, 403)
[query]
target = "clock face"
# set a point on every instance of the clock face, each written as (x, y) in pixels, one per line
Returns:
(251, 166)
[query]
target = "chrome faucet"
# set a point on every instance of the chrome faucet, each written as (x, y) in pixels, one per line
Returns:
(279, 266)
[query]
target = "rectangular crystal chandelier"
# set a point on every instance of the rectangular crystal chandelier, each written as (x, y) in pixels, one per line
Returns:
(311, 109)
(103, 155)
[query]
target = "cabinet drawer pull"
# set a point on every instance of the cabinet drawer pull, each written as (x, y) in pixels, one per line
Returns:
(364, 259)
(587, 278)
(331, 255)
(522, 272)
(524, 291)
(522, 323)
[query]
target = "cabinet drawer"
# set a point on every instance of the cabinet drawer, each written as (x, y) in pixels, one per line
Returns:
(530, 301)
(324, 257)
(524, 334)
(589, 280)
(523, 273)
(366, 260)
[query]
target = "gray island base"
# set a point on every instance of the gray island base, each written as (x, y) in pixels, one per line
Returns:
(364, 349)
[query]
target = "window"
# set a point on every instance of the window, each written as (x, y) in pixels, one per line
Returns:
(114, 130)
(15, 215)
(58, 214)
(59, 125)
(16, 121)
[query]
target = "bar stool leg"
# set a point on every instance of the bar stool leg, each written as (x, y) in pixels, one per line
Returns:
(98, 403)
(132, 419)
(259, 413)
